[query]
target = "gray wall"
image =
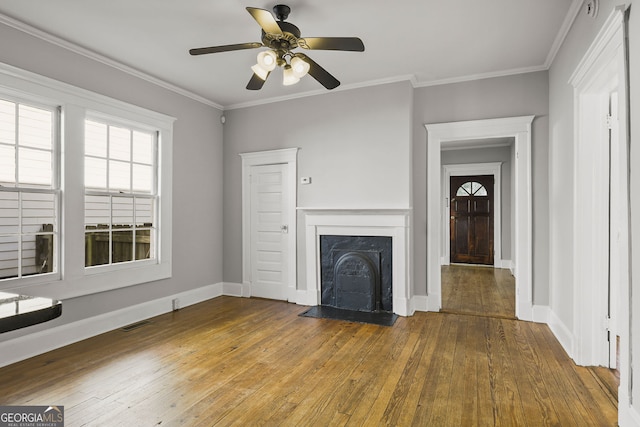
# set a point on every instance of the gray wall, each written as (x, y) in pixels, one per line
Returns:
(197, 172)
(518, 95)
(561, 126)
(490, 155)
(355, 145)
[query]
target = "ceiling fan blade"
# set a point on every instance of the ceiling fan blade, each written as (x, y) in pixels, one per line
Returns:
(319, 73)
(256, 83)
(225, 48)
(265, 19)
(352, 44)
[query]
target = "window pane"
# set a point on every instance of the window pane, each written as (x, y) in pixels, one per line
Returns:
(8, 256)
(9, 214)
(29, 264)
(143, 148)
(144, 212)
(35, 127)
(95, 142)
(38, 212)
(96, 248)
(7, 163)
(122, 213)
(7, 122)
(481, 191)
(95, 173)
(122, 246)
(144, 244)
(142, 178)
(34, 167)
(44, 252)
(119, 175)
(119, 143)
(97, 212)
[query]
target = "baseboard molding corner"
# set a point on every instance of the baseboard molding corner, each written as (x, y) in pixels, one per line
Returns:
(235, 289)
(628, 416)
(26, 346)
(541, 314)
(419, 303)
(561, 332)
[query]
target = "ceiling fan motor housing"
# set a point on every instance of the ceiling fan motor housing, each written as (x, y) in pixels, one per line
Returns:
(286, 41)
(281, 11)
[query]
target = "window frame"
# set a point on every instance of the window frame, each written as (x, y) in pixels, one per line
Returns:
(154, 194)
(75, 104)
(55, 190)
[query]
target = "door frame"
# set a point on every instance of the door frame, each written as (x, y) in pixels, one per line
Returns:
(601, 70)
(448, 171)
(477, 131)
(288, 156)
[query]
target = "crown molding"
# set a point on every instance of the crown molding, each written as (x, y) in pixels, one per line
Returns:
(35, 32)
(569, 19)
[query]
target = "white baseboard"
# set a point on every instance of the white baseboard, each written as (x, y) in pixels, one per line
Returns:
(419, 303)
(628, 416)
(236, 289)
(43, 341)
(562, 333)
(541, 313)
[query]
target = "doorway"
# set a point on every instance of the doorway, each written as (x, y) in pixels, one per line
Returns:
(476, 133)
(269, 224)
(471, 219)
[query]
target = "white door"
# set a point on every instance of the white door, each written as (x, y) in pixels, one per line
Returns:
(269, 231)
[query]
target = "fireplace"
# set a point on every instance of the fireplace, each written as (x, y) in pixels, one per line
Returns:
(356, 272)
(392, 224)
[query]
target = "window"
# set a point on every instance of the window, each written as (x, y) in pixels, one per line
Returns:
(471, 188)
(120, 193)
(105, 164)
(28, 190)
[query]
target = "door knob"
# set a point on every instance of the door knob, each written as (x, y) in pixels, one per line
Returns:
(284, 228)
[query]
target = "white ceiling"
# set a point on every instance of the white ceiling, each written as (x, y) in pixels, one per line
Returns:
(425, 41)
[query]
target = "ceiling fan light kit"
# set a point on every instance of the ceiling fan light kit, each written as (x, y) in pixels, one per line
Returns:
(281, 38)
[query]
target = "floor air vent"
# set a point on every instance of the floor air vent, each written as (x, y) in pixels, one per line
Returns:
(136, 325)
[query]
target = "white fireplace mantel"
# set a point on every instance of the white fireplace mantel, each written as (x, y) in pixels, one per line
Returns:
(394, 223)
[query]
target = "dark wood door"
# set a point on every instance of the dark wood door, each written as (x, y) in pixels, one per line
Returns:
(471, 219)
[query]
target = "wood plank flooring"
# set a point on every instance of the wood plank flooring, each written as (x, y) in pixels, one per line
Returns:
(481, 291)
(235, 361)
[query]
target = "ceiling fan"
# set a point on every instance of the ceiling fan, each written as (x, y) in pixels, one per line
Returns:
(281, 38)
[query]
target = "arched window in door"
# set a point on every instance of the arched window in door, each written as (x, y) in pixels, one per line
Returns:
(471, 188)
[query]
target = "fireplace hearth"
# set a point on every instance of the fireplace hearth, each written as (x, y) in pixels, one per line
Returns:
(356, 273)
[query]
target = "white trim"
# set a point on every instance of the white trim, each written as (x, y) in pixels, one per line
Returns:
(259, 158)
(349, 222)
(236, 290)
(520, 129)
(49, 38)
(562, 333)
(572, 14)
(26, 346)
(75, 103)
(473, 169)
(600, 71)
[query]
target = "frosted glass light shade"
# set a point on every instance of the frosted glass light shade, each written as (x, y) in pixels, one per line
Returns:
(288, 76)
(260, 72)
(267, 60)
(300, 67)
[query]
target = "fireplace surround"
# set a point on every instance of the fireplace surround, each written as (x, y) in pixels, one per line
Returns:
(394, 223)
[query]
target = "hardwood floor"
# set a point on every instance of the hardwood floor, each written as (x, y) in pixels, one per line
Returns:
(235, 361)
(480, 291)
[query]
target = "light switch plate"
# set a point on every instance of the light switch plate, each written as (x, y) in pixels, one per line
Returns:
(305, 180)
